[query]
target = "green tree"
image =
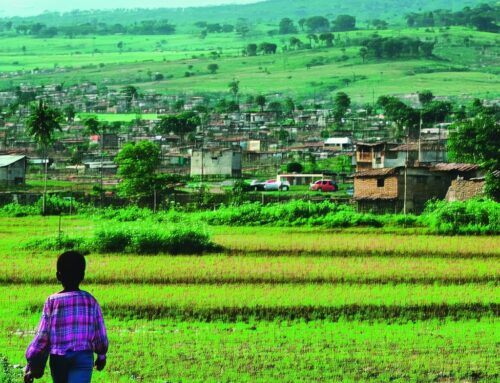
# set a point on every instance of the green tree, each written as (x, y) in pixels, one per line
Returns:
(131, 93)
(294, 167)
(251, 50)
(260, 100)
(69, 112)
(137, 166)
(341, 105)
(317, 24)
(405, 118)
(41, 124)
(312, 37)
(327, 38)
(476, 141)
(344, 23)
(213, 68)
(425, 97)
(287, 27)
(363, 52)
(181, 124)
(234, 88)
(289, 106)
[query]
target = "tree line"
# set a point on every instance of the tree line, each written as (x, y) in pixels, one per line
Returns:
(483, 17)
(395, 47)
(317, 24)
(145, 27)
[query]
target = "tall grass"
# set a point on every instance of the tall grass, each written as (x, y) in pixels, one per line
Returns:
(133, 238)
(469, 217)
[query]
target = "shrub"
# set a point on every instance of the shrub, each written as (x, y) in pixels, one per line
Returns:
(111, 240)
(62, 242)
(462, 217)
(153, 240)
(56, 205)
(9, 374)
(17, 210)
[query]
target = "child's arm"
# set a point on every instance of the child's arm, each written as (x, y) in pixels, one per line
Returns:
(41, 341)
(100, 342)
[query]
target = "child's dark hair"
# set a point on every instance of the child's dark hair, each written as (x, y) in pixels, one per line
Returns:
(71, 268)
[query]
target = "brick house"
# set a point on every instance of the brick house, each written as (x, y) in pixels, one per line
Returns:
(383, 190)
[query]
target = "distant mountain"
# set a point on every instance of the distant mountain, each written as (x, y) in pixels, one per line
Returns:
(265, 11)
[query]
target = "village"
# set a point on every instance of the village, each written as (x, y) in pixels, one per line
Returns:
(360, 154)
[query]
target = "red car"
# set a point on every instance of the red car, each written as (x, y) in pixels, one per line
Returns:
(324, 186)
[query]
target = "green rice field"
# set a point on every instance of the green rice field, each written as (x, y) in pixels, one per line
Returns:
(277, 304)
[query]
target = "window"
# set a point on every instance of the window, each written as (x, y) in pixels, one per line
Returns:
(391, 155)
(380, 182)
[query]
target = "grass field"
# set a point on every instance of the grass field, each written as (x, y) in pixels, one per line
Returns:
(98, 59)
(279, 304)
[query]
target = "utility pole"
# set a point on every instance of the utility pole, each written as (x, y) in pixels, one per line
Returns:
(420, 139)
(202, 144)
(406, 177)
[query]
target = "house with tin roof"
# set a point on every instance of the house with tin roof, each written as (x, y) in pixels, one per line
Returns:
(13, 169)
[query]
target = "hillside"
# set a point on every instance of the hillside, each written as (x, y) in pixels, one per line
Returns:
(463, 64)
(264, 11)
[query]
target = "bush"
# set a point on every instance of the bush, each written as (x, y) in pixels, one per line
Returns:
(62, 242)
(56, 205)
(112, 240)
(9, 374)
(462, 217)
(153, 240)
(17, 210)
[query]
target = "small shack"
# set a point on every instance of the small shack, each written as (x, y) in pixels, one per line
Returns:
(13, 170)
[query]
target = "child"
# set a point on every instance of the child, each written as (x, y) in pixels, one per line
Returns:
(71, 328)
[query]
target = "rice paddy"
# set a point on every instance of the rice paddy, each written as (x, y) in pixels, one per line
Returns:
(277, 304)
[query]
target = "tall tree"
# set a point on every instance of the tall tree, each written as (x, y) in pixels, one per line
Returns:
(41, 124)
(137, 165)
(287, 27)
(476, 141)
(234, 88)
(344, 23)
(342, 103)
(260, 100)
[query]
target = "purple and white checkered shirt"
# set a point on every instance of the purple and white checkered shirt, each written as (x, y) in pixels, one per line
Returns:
(71, 321)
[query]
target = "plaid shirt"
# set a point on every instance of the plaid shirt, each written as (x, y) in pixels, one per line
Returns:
(71, 321)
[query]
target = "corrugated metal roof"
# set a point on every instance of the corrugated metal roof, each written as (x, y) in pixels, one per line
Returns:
(444, 167)
(376, 173)
(9, 160)
(414, 147)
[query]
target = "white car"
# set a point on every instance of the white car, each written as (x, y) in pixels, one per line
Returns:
(276, 185)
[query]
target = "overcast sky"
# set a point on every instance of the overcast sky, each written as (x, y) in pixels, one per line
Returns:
(35, 7)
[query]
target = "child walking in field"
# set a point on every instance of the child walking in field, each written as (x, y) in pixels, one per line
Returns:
(71, 329)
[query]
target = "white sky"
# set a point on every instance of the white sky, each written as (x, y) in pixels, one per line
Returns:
(35, 7)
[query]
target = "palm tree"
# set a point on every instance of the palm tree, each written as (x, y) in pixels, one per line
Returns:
(41, 124)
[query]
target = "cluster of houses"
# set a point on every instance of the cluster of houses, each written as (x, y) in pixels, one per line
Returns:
(386, 176)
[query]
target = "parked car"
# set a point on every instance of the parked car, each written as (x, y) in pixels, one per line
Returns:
(324, 186)
(256, 185)
(276, 185)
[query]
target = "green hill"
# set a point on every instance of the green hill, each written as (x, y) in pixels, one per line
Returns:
(463, 64)
(264, 11)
